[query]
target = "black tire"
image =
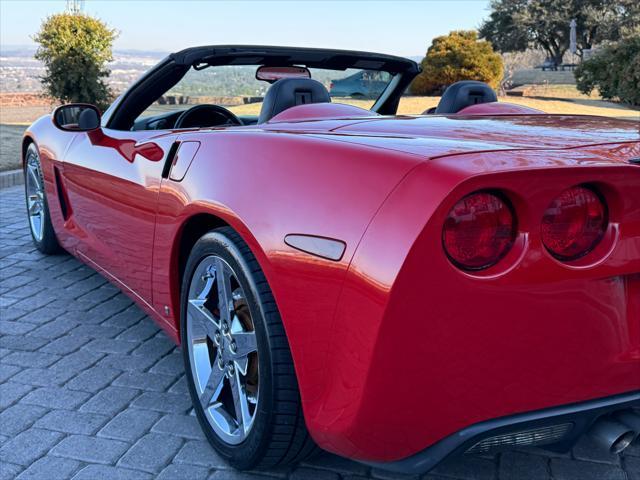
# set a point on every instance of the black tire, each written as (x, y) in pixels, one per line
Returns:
(48, 244)
(278, 435)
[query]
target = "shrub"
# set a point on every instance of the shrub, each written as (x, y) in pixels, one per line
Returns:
(614, 70)
(75, 49)
(457, 56)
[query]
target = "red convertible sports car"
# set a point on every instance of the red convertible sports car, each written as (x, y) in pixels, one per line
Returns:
(395, 289)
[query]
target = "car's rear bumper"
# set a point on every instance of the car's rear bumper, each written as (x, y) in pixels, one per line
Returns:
(576, 417)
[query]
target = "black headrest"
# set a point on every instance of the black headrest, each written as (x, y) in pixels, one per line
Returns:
(463, 94)
(289, 92)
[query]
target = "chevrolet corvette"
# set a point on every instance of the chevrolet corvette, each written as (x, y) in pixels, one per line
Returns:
(395, 289)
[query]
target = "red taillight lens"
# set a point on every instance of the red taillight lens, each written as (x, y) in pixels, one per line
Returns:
(479, 231)
(574, 223)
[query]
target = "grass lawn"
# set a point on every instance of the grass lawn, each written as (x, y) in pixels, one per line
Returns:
(574, 106)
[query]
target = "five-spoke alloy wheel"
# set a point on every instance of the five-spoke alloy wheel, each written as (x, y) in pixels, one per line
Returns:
(237, 359)
(221, 341)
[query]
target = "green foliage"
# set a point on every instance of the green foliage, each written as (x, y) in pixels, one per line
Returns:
(457, 56)
(614, 70)
(75, 49)
(515, 25)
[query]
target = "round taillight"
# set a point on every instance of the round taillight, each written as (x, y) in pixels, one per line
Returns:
(574, 223)
(478, 231)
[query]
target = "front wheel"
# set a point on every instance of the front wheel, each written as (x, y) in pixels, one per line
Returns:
(42, 233)
(237, 359)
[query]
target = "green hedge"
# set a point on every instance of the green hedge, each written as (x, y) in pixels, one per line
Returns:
(614, 70)
(458, 56)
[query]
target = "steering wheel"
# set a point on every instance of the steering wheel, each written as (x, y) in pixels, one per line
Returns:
(206, 115)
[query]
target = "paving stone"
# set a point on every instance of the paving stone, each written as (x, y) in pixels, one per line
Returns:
(129, 425)
(191, 472)
(18, 418)
(10, 392)
(90, 449)
(524, 467)
(65, 345)
(126, 318)
(110, 401)
(28, 446)
(151, 453)
(53, 397)
(139, 332)
(70, 421)
(155, 348)
(43, 378)
(185, 426)
(97, 331)
(144, 381)
(163, 402)
(313, 474)
(24, 343)
(10, 327)
(632, 465)
(47, 466)
(196, 452)
(8, 371)
(31, 359)
(42, 315)
(9, 471)
(170, 365)
(563, 469)
(127, 362)
(107, 472)
(587, 449)
(466, 466)
(53, 329)
(111, 345)
(79, 361)
(338, 464)
(180, 386)
(93, 380)
(235, 475)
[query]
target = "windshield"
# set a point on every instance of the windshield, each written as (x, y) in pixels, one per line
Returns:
(236, 88)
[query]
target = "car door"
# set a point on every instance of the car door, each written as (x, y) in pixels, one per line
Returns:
(111, 180)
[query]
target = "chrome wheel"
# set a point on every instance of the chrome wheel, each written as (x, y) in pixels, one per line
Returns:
(35, 195)
(222, 348)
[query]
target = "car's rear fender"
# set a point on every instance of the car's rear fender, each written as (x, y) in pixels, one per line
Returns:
(268, 185)
(421, 349)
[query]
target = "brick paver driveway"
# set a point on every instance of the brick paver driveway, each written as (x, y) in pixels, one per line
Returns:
(91, 389)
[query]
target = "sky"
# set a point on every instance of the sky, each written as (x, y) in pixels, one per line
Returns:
(396, 27)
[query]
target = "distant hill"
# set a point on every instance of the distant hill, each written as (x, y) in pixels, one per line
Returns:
(20, 72)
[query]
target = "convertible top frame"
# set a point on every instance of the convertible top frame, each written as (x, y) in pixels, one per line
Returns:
(168, 72)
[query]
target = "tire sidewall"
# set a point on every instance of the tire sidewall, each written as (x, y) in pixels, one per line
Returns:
(49, 242)
(247, 453)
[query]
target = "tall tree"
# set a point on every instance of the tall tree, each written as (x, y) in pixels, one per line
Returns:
(75, 49)
(515, 25)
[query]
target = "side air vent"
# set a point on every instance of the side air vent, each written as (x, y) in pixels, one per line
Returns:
(635, 161)
(62, 195)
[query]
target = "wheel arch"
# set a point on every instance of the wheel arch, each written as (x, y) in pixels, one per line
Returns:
(190, 231)
(27, 140)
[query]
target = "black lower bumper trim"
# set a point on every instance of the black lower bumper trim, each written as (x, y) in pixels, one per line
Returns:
(582, 415)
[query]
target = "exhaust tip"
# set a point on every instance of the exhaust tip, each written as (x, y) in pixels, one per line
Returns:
(619, 445)
(612, 436)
